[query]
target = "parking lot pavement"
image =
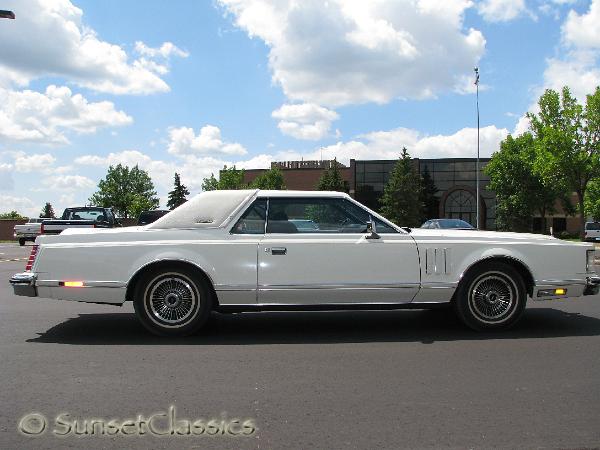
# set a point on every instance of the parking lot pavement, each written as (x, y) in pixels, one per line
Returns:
(393, 379)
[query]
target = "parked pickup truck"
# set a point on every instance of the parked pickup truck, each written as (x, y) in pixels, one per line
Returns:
(82, 217)
(28, 231)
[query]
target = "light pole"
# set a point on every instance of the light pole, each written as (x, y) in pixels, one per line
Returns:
(476, 69)
(6, 14)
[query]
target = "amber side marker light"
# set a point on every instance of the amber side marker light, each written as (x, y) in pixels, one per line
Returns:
(551, 292)
(71, 283)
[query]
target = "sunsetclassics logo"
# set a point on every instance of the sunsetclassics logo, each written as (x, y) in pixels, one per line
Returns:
(165, 423)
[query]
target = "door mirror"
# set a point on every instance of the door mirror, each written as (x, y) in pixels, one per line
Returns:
(372, 230)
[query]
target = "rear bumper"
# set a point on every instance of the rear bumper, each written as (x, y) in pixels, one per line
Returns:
(24, 284)
(593, 286)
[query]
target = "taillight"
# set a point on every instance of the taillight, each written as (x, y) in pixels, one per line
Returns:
(31, 259)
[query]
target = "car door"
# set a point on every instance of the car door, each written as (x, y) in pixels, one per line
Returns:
(316, 251)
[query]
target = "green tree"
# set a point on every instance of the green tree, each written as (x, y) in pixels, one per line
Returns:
(271, 179)
(47, 211)
(431, 204)
(332, 180)
(13, 215)
(568, 138)
(229, 178)
(177, 196)
(401, 200)
(592, 199)
(520, 191)
(128, 190)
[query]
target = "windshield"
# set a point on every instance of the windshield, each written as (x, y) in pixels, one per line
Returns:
(454, 223)
(592, 226)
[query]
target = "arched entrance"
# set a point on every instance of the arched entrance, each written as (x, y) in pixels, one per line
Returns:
(461, 203)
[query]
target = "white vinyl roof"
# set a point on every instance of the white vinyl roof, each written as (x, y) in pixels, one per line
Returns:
(206, 210)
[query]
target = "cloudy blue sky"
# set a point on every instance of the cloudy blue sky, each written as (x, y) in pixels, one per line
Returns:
(189, 86)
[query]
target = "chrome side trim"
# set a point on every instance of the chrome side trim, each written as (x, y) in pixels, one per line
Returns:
(235, 287)
(86, 284)
(346, 286)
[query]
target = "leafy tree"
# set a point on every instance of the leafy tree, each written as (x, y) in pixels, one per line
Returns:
(431, 204)
(401, 200)
(47, 211)
(568, 142)
(128, 190)
(13, 215)
(520, 191)
(271, 179)
(592, 199)
(177, 195)
(332, 179)
(229, 178)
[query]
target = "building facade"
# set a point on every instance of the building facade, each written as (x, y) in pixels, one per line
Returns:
(454, 178)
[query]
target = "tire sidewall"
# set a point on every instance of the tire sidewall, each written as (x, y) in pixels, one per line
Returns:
(462, 302)
(142, 308)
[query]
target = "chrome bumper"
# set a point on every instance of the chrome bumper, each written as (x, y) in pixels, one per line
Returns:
(24, 284)
(592, 286)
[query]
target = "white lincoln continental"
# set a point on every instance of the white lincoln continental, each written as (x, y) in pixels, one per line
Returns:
(253, 250)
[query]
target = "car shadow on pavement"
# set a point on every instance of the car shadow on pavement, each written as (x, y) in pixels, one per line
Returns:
(317, 327)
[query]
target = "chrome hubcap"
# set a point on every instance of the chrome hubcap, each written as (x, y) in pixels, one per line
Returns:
(172, 300)
(492, 297)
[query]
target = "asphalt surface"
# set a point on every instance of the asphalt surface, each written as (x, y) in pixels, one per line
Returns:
(393, 379)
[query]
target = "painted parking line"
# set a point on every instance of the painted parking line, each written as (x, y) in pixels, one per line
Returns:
(13, 259)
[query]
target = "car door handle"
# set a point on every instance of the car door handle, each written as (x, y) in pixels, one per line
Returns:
(278, 251)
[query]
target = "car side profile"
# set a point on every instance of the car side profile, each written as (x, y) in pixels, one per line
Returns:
(254, 250)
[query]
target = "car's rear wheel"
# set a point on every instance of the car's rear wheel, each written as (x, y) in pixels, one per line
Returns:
(172, 301)
(491, 296)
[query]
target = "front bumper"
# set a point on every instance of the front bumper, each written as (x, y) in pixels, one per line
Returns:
(24, 284)
(593, 286)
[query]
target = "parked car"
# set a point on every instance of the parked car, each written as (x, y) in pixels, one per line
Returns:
(81, 217)
(592, 231)
(147, 217)
(28, 231)
(236, 251)
(448, 224)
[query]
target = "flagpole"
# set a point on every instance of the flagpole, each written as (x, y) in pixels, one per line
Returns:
(477, 97)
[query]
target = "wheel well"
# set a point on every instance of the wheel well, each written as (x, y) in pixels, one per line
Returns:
(521, 268)
(169, 264)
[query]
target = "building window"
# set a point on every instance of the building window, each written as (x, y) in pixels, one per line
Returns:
(461, 204)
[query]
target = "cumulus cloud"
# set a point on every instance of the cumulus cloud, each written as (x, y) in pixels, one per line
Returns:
(6, 180)
(43, 117)
(305, 121)
(208, 141)
(389, 144)
(352, 51)
(578, 65)
(68, 182)
(50, 39)
(34, 163)
(501, 10)
(22, 205)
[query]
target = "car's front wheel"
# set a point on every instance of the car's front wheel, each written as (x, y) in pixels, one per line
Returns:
(21, 242)
(172, 301)
(491, 296)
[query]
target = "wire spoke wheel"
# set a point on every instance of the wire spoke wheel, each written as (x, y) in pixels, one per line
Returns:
(492, 297)
(172, 300)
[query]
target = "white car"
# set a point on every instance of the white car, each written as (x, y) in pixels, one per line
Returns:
(592, 231)
(234, 251)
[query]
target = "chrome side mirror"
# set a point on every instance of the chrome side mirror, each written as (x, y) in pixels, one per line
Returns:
(372, 230)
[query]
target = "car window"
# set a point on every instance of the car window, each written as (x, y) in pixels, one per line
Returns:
(83, 214)
(592, 226)
(319, 215)
(253, 219)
